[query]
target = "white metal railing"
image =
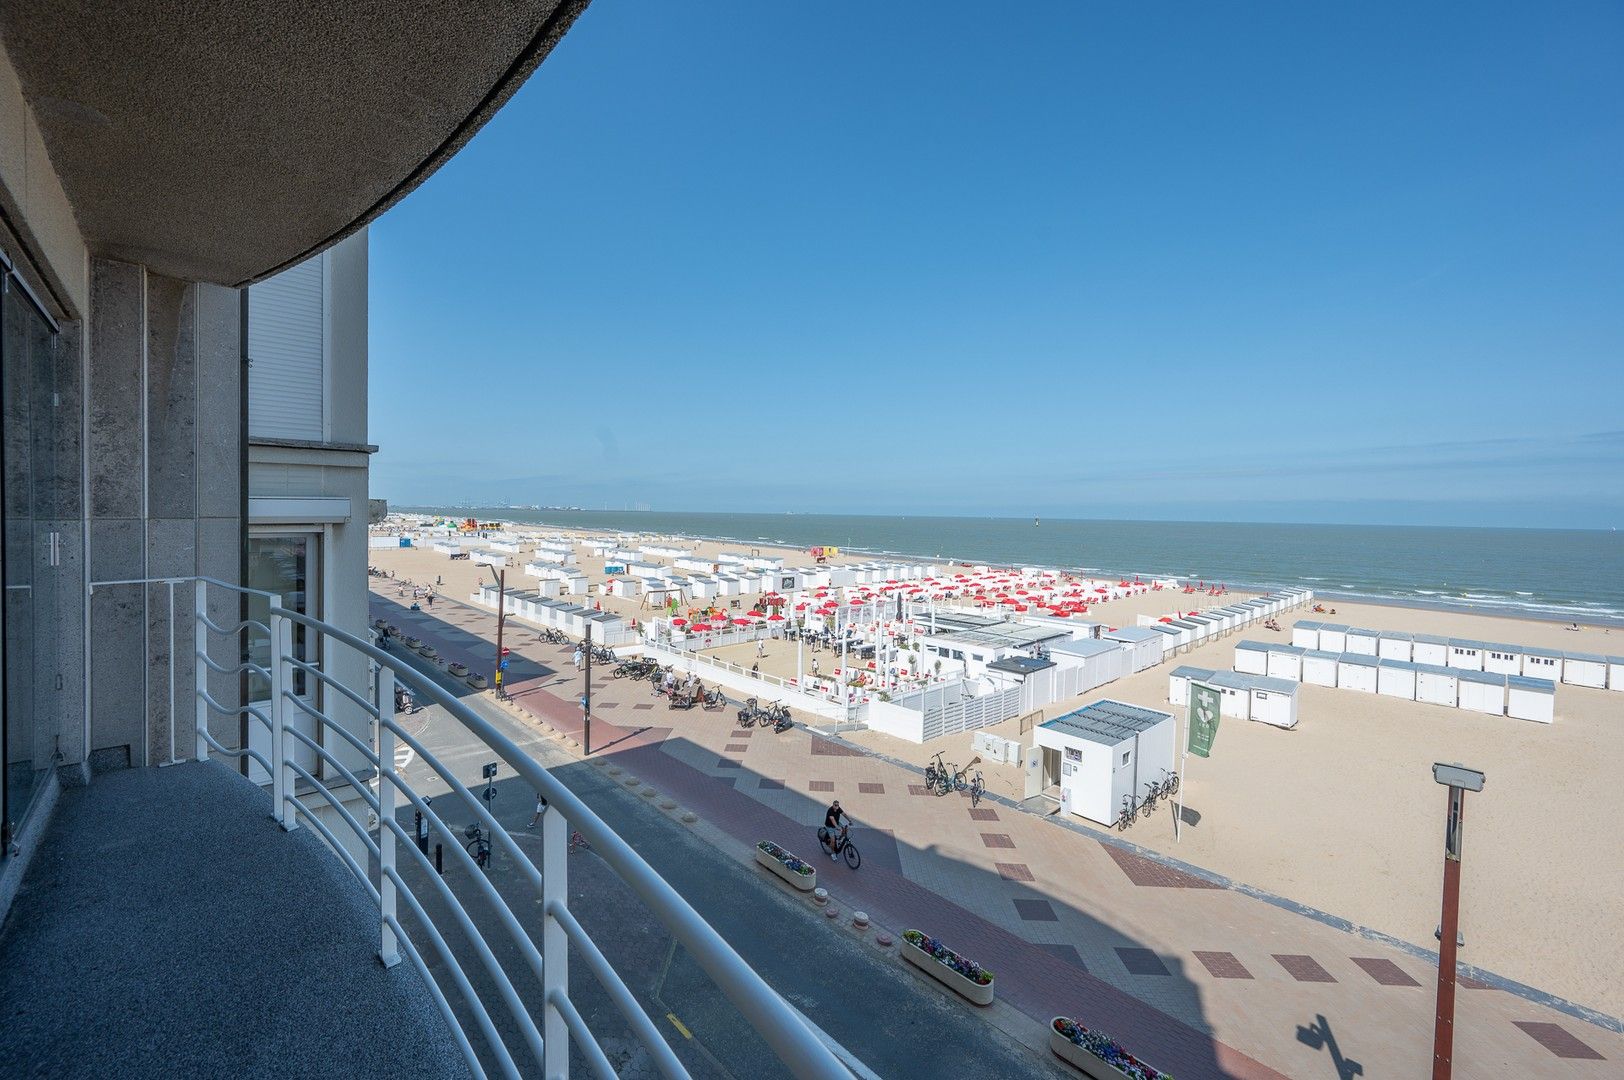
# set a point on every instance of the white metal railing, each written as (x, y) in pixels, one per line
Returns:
(545, 1025)
(815, 694)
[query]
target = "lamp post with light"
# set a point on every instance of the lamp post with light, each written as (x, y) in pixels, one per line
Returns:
(1459, 780)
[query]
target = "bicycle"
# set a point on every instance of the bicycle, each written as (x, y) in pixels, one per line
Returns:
(1125, 818)
(478, 845)
(1153, 792)
(578, 843)
(841, 844)
(936, 776)
(978, 788)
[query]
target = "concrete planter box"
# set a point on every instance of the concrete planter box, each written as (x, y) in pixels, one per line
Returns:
(971, 991)
(804, 882)
(1081, 1059)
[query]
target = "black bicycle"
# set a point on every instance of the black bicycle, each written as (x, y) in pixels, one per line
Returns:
(840, 843)
(1125, 818)
(938, 777)
(478, 845)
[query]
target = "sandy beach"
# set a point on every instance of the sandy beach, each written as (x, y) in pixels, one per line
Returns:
(1341, 813)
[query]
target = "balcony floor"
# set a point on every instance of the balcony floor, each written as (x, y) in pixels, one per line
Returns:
(168, 927)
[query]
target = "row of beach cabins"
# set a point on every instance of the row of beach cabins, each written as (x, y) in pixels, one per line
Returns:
(1574, 668)
(608, 629)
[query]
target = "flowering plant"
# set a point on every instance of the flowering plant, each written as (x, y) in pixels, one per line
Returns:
(1107, 1050)
(790, 862)
(942, 954)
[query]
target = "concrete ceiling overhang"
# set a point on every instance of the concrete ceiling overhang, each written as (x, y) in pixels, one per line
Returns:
(223, 142)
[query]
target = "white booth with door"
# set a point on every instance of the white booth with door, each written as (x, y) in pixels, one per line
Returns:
(1430, 649)
(1530, 699)
(1584, 669)
(1179, 679)
(1319, 667)
(1503, 659)
(1252, 657)
(1542, 664)
(1305, 635)
(1437, 685)
(1236, 693)
(1355, 672)
(1396, 678)
(1146, 643)
(1333, 637)
(1615, 673)
(1274, 702)
(1396, 646)
(1482, 691)
(1105, 751)
(1286, 662)
(1362, 642)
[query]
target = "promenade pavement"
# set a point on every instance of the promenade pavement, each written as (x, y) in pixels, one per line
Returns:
(1199, 979)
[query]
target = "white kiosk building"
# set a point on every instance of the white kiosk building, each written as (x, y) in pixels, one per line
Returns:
(1106, 751)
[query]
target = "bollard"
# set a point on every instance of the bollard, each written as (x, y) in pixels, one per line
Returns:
(439, 866)
(859, 919)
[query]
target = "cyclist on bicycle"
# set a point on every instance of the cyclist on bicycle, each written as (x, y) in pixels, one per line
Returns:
(833, 833)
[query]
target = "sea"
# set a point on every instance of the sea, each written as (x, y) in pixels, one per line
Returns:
(1554, 574)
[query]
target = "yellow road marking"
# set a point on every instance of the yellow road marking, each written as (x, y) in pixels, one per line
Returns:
(686, 1034)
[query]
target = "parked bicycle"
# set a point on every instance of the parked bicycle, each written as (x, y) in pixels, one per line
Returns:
(749, 713)
(1169, 785)
(714, 699)
(978, 788)
(1125, 818)
(478, 845)
(937, 776)
(1153, 792)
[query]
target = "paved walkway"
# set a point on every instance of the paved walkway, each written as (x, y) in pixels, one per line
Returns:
(1200, 979)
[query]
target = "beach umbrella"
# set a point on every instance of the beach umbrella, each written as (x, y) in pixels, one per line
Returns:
(775, 617)
(741, 622)
(800, 607)
(679, 621)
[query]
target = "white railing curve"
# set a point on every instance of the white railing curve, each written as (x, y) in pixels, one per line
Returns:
(545, 1028)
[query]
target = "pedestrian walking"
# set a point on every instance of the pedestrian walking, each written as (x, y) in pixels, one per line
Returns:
(814, 667)
(541, 808)
(761, 649)
(579, 656)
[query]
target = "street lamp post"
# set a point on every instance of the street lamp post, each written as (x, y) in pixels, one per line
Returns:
(1459, 780)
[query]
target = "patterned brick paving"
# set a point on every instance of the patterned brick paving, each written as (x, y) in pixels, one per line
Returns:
(740, 734)
(984, 814)
(1384, 971)
(1223, 965)
(1152, 874)
(1303, 968)
(997, 840)
(1014, 871)
(1031, 910)
(871, 789)
(1558, 1040)
(1141, 961)
(1094, 904)
(728, 763)
(736, 748)
(918, 789)
(829, 748)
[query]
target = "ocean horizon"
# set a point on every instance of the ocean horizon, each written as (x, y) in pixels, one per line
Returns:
(1552, 574)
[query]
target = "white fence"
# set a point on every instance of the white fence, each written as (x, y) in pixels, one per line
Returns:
(798, 696)
(940, 710)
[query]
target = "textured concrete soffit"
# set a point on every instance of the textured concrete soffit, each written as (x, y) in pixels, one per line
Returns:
(225, 145)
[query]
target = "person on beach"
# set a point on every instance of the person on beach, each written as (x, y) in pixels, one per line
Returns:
(814, 667)
(755, 671)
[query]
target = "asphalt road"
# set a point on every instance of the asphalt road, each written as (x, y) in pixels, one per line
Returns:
(894, 1020)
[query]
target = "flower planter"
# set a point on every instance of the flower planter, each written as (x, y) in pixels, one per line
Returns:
(915, 953)
(785, 865)
(1091, 1063)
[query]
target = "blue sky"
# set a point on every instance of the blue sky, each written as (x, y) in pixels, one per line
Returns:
(1278, 262)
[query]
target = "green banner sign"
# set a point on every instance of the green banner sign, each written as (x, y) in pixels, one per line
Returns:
(1203, 725)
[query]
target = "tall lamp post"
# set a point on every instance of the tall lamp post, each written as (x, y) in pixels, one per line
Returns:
(1459, 780)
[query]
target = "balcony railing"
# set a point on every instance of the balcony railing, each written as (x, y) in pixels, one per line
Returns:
(544, 1027)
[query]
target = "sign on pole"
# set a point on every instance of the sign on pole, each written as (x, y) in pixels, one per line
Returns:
(1203, 724)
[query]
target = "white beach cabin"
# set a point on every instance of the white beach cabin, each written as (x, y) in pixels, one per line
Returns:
(1333, 637)
(1615, 673)
(1584, 669)
(1363, 642)
(1542, 664)
(1286, 662)
(1274, 702)
(1236, 691)
(1104, 752)
(1146, 643)
(1252, 657)
(1354, 672)
(1179, 679)
(1437, 685)
(1530, 699)
(1396, 678)
(1396, 646)
(1305, 635)
(1097, 662)
(1430, 649)
(1483, 691)
(1466, 654)
(1319, 667)
(1503, 659)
